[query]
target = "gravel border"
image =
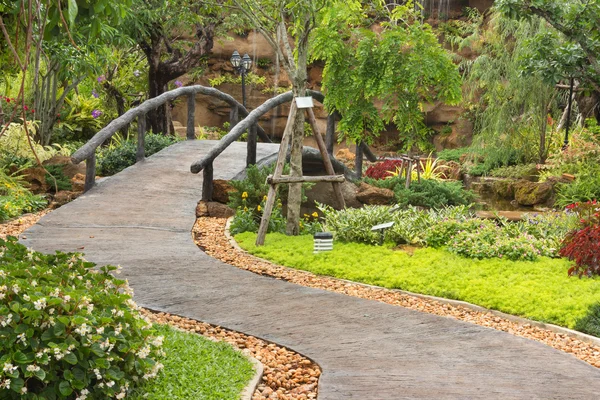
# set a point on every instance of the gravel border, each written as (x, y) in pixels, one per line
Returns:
(286, 375)
(210, 235)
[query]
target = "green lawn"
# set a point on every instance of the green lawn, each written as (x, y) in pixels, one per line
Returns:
(540, 290)
(196, 368)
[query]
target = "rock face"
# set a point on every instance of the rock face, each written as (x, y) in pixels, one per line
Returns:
(368, 194)
(530, 193)
(221, 190)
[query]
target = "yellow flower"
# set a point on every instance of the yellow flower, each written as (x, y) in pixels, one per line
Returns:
(246, 209)
(259, 207)
(265, 198)
(245, 195)
(315, 214)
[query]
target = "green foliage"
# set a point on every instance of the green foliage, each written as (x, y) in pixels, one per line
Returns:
(112, 160)
(69, 329)
(15, 199)
(590, 323)
(515, 171)
(247, 219)
(55, 176)
(410, 225)
(574, 51)
(539, 290)
(433, 194)
(362, 66)
(452, 154)
(78, 122)
(251, 79)
(16, 146)
(196, 368)
(511, 107)
(585, 187)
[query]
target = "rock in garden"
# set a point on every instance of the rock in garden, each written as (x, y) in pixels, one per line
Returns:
(530, 193)
(69, 169)
(213, 209)
(221, 190)
(368, 194)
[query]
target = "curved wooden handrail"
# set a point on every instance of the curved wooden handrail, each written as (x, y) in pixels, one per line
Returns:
(243, 125)
(88, 149)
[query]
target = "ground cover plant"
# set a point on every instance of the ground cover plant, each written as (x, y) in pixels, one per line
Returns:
(68, 329)
(16, 199)
(540, 290)
(196, 368)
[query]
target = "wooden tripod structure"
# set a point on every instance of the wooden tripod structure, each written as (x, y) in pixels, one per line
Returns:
(277, 177)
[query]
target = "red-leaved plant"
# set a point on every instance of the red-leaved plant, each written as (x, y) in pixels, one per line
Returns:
(384, 169)
(583, 245)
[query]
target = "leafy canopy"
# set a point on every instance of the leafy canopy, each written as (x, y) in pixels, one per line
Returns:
(382, 74)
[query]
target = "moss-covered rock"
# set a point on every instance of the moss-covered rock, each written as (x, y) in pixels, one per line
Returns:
(531, 193)
(504, 189)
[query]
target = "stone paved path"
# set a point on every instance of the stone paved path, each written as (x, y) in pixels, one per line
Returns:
(142, 218)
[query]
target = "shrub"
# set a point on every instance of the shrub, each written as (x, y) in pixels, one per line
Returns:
(112, 160)
(488, 242)
(590, 323)
(56, 178)
(383, 170)
(433, 194)
(452, 154)
(15, 144)
(440, 234)
(247, 219)
(515, 171)
(583, 245)
(586, 187)
(68, 329)
(15, 199)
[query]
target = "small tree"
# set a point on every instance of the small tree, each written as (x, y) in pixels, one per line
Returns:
(384, 74)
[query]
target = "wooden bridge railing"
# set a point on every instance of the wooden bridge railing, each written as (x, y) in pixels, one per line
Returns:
(87, 152)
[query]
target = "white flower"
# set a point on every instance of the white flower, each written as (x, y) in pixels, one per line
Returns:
(39, 354)
(8, 367)
(33, 368)
(24, 389)
(2, 295)
(16, 288)
(26, 297)
(158, 341)
(5, 384)
(40, 304)
(21, 338)
(34, 283)
(100, 330)
(67, 298)
(110, 383)
(2, 273)
(120, 396)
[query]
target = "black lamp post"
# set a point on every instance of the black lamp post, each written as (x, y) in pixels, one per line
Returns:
(242, 65)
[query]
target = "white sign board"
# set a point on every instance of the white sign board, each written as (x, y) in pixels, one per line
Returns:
(304, 102)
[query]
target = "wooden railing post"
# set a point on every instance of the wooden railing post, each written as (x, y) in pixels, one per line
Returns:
(191, 109)
(330, 133)
(358, 162)
(233, 117)
(207, 182)
(90, 172)
(141, 138)
(251, 156)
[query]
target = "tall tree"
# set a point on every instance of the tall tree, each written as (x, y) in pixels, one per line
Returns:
(174, 42)
(576, 52)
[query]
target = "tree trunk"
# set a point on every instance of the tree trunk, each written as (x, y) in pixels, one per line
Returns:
(295, 189)
(156, 83)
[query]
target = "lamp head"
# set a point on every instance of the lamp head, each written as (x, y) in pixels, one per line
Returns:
(236, 59)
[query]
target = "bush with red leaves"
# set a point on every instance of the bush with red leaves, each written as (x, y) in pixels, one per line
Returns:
(583, 245)
(384, 169)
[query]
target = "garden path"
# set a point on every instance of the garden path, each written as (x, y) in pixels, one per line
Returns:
(141, 219)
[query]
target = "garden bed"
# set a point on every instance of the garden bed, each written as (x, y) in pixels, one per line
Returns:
(210, 235)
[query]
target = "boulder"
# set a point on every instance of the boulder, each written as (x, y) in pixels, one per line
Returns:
(322, 192)
(368, 194)
(530, 193)
(35, 177)
(78, 183)
(345, 155)
(221, 190)
(504, 189)
(213, 209)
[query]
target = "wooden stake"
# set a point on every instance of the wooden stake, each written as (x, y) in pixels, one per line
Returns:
(337, 189)
(283, 147)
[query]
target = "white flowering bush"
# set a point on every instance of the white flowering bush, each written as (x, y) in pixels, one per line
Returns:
(69, 330)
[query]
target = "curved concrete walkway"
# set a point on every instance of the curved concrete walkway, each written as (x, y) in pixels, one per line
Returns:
(141, 219)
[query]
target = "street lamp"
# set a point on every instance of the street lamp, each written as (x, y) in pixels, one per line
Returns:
(242, 65)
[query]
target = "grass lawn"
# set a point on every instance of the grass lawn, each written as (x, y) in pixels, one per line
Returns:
(196, 368)
(540, 290)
